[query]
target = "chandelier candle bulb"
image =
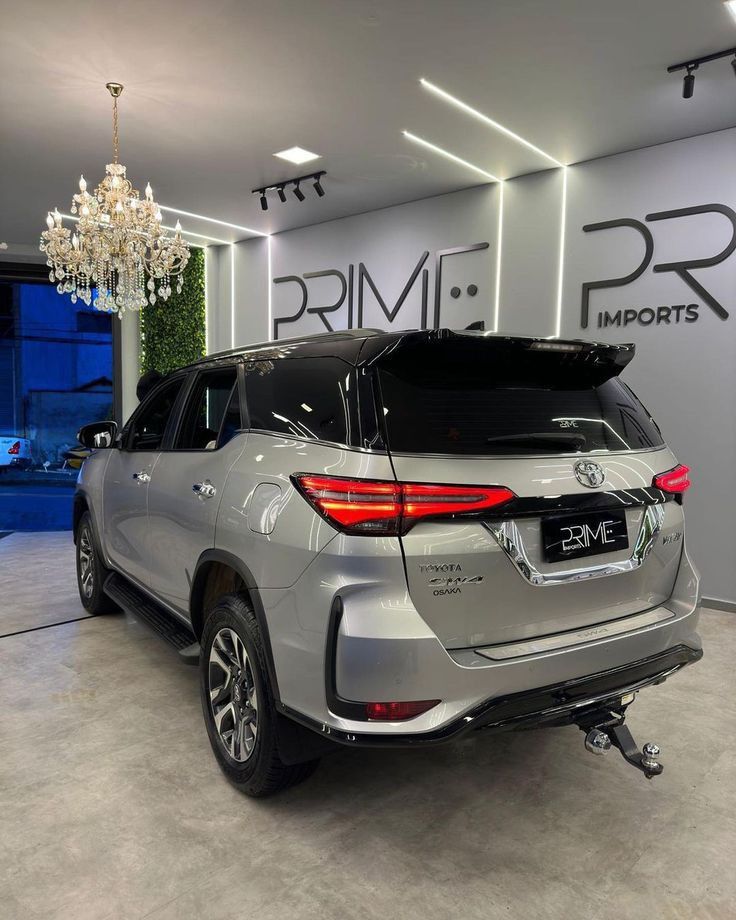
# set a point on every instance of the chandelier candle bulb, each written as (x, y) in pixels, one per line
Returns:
(119, 248)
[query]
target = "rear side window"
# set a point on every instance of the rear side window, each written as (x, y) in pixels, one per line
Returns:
(212, 401)
(306, 398)
(483, 408)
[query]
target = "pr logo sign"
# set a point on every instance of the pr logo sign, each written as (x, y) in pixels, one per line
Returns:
(663, 314)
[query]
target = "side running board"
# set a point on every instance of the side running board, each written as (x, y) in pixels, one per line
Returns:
(142, 607)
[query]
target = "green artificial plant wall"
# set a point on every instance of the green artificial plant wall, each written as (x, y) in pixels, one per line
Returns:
(173, 330)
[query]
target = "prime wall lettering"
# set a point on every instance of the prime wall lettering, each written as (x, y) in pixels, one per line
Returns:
(660, 315)
(352, 287)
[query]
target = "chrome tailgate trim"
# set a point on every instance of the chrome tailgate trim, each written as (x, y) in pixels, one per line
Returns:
(578, 637)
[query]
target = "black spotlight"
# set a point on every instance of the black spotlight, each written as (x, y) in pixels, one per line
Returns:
(282, 194)
(298, 193)
(688, 84)
(318, 187)
(264, 201)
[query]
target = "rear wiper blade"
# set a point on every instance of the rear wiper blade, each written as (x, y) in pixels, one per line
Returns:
(541, 439)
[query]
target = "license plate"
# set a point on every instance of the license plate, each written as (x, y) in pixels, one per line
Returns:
(571, 536)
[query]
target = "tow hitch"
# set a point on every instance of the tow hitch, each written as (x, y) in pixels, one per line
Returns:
(605, 729)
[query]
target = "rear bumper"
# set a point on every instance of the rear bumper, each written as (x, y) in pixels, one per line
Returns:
(558, 704)
(347, 633)
(16, 463)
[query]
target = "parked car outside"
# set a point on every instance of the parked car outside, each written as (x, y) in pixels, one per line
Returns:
(394, 539)
(15, 453)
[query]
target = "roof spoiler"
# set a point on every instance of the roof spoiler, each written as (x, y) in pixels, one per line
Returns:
(602, 360)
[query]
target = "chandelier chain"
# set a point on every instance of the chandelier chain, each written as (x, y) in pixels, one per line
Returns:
(115, 136)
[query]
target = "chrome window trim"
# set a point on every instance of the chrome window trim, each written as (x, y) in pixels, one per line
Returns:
(508, 537)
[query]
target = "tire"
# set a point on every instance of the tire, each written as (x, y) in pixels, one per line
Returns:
(91, 573)
(237, 702)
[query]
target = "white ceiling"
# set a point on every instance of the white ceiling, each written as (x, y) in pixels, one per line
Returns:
(213, 89)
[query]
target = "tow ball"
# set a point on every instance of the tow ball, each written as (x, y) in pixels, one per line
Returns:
(610, 731)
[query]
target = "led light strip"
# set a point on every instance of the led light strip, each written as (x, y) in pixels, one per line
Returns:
(499, 243)
(232, 295)
(212, 220)
(206, 309)
(268, 282)
(468, 109)
(443, 94)
(561, 266)
(449, 156)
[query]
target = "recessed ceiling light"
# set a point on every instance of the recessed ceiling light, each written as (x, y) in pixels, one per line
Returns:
(297, 155)
(731, 7)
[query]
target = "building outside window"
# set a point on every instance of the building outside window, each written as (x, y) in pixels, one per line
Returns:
(56, 374)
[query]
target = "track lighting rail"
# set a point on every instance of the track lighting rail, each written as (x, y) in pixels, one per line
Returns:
(315, 178)
(688, 83)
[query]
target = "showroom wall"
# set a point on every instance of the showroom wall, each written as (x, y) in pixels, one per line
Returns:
(648, 257)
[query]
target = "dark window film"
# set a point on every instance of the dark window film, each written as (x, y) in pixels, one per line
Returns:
(430, 409)
(149, 425)
(210, 402)
(310, 398)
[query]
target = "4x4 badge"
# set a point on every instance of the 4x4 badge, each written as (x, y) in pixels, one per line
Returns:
(589, 473)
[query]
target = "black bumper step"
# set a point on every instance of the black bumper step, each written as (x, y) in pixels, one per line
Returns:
(142, 607)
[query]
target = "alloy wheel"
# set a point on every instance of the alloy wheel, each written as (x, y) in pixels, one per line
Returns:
(233, 695)
(86, 563)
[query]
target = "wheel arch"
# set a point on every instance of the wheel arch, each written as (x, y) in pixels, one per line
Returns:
(218, 572)
(81, 504)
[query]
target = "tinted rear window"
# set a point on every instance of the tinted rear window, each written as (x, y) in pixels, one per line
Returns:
(445, 407)
(305, 398)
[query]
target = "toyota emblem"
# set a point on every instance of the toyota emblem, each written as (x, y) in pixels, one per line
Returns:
(589, 473)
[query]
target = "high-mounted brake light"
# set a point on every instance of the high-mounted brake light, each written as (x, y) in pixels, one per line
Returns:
(673, 481)
(14, 448)
(397, 712)
(384, 508)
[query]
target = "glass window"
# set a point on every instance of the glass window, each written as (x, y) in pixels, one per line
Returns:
(149, 425)
(56, 375)
(212, 406)
(489, 400)
(301, 397)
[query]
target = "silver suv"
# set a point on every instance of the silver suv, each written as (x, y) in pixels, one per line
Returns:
(383, 539)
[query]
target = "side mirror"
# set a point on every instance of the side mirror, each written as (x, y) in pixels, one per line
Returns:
(98, 435)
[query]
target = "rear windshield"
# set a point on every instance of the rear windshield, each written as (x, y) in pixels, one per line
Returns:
(449, 409)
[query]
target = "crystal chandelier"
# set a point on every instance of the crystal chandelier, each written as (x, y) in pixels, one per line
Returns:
(119, 246)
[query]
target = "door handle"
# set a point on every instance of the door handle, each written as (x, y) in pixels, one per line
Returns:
(142, 476)
(204, 489)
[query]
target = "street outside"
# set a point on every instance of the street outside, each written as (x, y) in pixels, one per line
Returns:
(37, 500)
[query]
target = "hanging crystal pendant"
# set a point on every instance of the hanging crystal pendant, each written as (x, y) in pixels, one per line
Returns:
(119, 246)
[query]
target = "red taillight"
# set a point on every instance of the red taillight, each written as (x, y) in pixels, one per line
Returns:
(15, 448)
(674, 481)
(368, 506)
(397, 712)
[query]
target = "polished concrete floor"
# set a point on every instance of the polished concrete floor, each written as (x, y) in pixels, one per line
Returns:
(111, 804)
